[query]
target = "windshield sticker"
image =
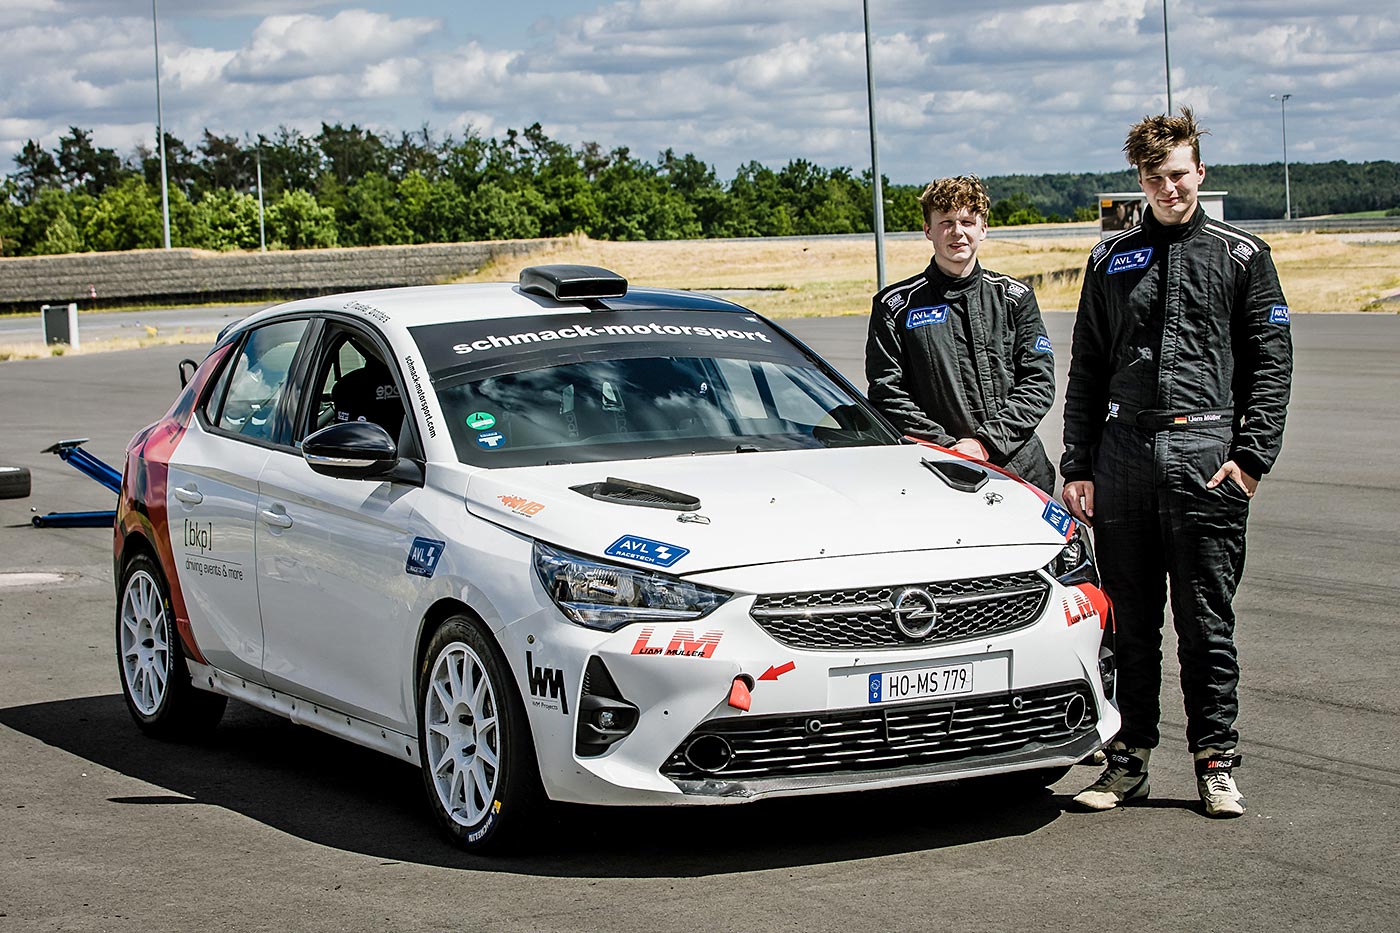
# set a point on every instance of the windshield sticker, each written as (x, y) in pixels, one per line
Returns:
(421, 396)
(1057, 517)
(423, 556)
(919, 317)
(458, 345)
(646, 551)
(1042, 345)
(1278, 314)
(1127, 262)
(522, 506)
(481, 420)
(369, 311)
(491, 440)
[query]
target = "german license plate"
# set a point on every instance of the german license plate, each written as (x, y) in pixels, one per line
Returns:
(921, 683)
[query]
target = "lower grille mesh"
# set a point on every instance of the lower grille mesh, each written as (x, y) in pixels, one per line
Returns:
(891, 737)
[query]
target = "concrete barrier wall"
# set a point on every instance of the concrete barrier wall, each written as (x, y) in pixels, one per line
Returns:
(200, 275)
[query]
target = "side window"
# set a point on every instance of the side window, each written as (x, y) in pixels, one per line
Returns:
(257, 378)
(354, 384)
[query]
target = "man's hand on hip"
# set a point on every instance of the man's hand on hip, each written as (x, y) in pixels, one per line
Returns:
(1079, 499)
(1232, 470)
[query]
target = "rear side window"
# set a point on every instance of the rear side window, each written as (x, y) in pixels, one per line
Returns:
(253, 385)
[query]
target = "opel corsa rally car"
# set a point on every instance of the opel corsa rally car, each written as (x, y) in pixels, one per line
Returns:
(570, 540)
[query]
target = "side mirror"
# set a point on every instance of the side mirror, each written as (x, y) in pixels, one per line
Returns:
(185, 378)
(351, 450)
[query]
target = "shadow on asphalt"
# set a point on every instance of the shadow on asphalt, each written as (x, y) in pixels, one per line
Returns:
(332, 793)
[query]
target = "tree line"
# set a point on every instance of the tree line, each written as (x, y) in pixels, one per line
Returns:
(349, 186)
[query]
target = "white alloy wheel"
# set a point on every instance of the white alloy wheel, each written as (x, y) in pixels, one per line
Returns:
(145, 643)
(462, 717)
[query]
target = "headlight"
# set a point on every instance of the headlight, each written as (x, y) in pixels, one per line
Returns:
(1075, 562)
(607, 596)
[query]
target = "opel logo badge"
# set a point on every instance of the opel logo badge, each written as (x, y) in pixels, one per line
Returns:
(915, 612)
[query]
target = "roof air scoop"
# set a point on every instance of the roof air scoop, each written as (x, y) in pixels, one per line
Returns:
(959, 476)
(568, 282)
(627, 492)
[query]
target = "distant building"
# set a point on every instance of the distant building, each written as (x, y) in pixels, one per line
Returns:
(1119, 210)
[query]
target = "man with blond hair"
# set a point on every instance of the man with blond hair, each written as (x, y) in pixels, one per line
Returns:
(1178, 386)
(958, 355)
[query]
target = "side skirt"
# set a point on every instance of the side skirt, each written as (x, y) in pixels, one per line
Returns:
(304, 713)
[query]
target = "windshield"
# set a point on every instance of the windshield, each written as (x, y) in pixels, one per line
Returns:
(642, 384)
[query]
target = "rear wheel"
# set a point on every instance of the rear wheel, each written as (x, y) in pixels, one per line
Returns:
(155, 678)
(479, 767)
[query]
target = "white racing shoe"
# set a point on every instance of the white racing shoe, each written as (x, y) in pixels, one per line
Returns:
(1215, 781)
(1124, 780)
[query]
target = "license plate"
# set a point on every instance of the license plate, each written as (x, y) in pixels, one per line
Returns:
(920, 683)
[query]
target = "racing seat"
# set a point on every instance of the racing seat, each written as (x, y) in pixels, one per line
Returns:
(369, 394)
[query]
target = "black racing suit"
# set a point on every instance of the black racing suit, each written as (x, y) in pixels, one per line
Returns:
(949, 358)
(1182, 359)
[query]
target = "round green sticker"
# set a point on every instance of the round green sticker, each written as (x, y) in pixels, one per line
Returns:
(481, 420)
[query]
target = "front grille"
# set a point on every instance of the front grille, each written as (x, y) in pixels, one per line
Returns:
(891, 737)
(864, 618)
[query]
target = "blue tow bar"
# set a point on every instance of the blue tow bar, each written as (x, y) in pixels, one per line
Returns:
(71, 452)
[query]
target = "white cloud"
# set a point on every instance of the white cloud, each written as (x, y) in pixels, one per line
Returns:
(300, 46)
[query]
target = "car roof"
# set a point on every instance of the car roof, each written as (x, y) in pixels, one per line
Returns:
(402, 308)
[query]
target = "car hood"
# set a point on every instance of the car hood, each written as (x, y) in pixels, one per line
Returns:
(758, 508)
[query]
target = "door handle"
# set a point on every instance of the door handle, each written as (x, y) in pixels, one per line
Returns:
(189, 495)
(275, 518)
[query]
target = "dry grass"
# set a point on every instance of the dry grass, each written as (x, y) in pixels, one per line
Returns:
(36, 350)
(806, 278)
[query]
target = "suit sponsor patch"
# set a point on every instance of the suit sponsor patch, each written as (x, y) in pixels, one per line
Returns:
(895, 301)
(647, 551)
(919, 317)
(1042, 345)
(1243, 251)
(1127, 262)
(1278, 314)
(1016, 289)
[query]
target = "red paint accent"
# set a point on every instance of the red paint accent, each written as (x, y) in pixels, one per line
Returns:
(773, 673)
(141, 504)
(739, 696)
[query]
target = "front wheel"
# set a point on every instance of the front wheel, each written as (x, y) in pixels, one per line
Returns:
(155, 678)
(478, 756)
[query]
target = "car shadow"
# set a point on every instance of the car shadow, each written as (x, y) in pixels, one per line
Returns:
(336, 794)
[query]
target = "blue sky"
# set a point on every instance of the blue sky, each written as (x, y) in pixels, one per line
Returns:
(1001, 87)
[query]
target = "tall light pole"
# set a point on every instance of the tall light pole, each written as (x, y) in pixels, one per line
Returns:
(878, 187)
(160, 134)
(1167, 51)
(262, 227)
(1283, 117)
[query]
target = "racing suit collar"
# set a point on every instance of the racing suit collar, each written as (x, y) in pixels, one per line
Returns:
(952, 284)
(1162, 233)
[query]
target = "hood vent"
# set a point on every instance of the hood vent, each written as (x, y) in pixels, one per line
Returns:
(628, 492)
(959, 476)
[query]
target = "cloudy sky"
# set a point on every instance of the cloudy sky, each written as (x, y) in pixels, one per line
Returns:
(995, 87)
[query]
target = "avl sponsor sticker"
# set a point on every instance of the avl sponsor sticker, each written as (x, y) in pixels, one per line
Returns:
(1127, 262)
(1057, 517)
(920, 317)
(423, 556)
(646, 551)
(1278, 314)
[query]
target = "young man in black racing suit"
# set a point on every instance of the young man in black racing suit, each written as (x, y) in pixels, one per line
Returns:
(958, 355)
(1178, 386)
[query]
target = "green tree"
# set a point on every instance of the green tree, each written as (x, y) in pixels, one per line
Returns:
(297, 221)
(370, 216)
(223, 219)
(126, 216)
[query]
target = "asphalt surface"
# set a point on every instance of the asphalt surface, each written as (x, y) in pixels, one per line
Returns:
(270, 826)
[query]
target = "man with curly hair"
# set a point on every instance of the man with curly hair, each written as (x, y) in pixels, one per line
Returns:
(957, 354)
(1178, 385)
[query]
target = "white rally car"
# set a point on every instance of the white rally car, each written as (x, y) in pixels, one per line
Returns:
(570, 540)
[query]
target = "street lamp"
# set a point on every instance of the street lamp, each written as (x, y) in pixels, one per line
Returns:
(1167, 53)
(877, 190)
(160, 133)
(1283, 117)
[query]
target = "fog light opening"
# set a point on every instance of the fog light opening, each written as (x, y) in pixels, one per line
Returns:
(709, 753)
(1076, 711)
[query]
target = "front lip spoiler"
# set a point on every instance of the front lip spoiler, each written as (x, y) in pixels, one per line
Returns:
(1024, 759)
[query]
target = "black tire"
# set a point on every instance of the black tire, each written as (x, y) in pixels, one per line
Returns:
(478, 807)
(14, 482)
(151, 661)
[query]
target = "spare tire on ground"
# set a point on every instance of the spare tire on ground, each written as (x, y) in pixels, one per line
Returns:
(14, 482)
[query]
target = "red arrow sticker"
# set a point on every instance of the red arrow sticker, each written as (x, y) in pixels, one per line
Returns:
(773, 673)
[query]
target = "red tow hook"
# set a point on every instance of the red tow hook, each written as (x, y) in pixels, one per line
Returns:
(739, 696)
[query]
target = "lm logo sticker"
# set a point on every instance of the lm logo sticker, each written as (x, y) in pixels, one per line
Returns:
(1278, 314)
(919, 317)
(1127, 262)
(647, 551)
